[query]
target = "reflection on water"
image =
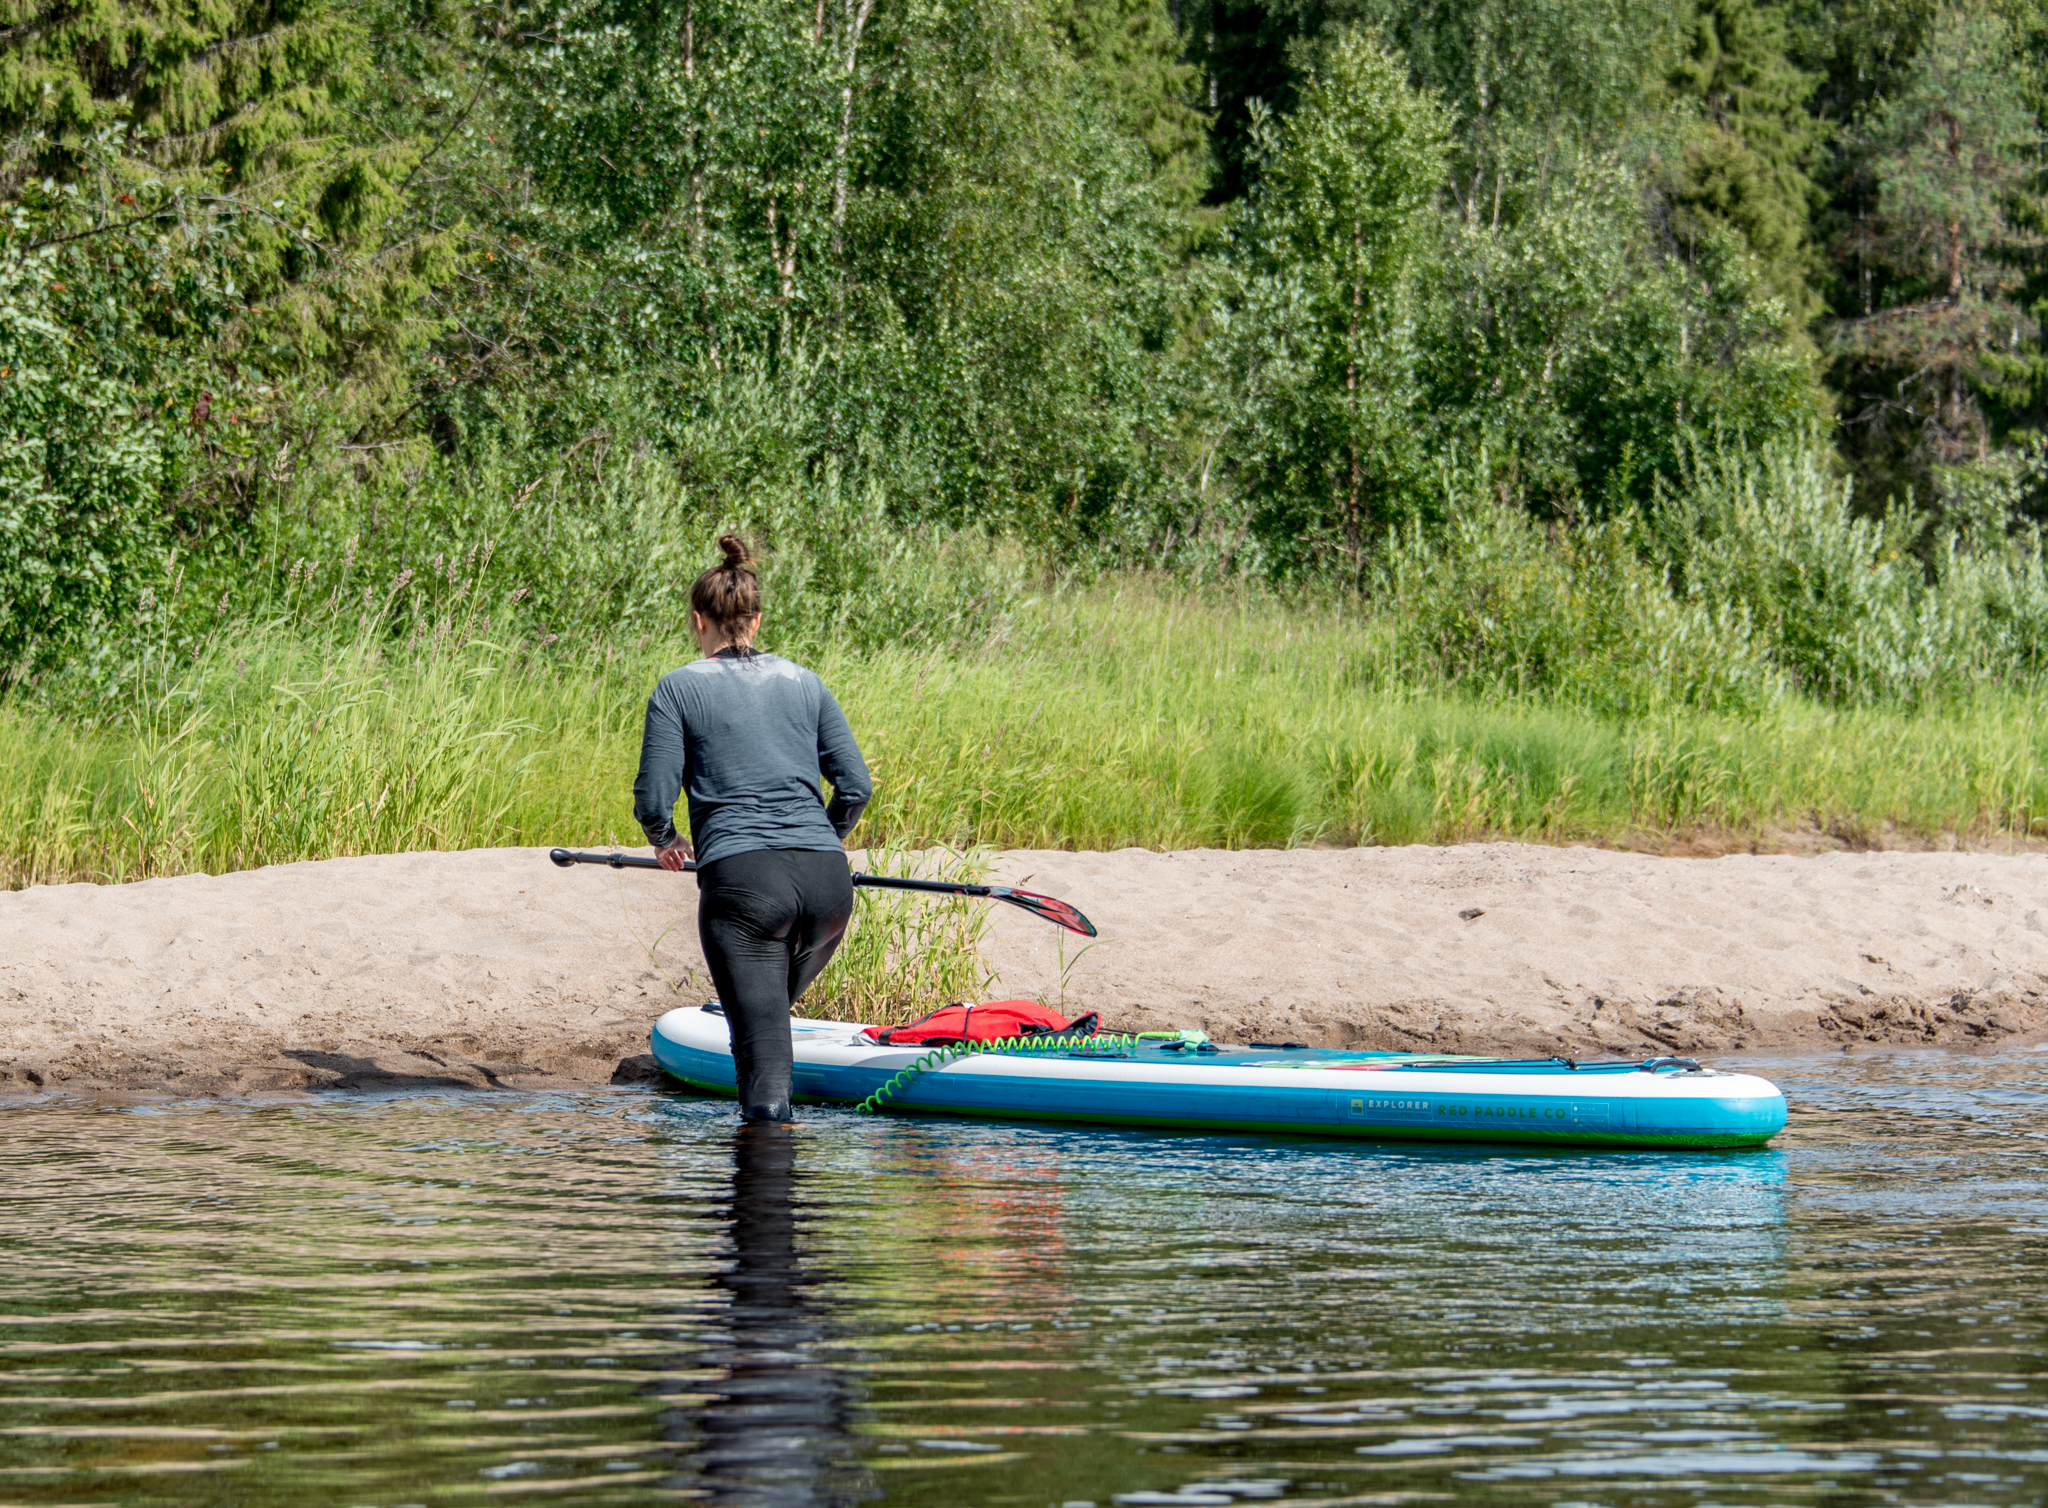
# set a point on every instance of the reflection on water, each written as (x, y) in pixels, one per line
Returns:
(614, 1298)
(777, 1426)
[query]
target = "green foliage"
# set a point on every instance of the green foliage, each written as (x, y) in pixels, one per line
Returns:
(1862, 49)
(1947, 154)
(1844, 605)
(1517, 76)
(499, 316)
(253, 106)
(912, 222)
(1562, 344)
(205, 281)
(596, 548)
(1489, 603)
(1551, 70)
(247, 85)
(118, 421)
(80, 475)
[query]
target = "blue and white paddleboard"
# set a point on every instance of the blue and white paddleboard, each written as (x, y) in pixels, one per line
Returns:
(1661, 1102)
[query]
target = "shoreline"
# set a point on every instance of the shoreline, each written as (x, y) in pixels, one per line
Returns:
(492, 969)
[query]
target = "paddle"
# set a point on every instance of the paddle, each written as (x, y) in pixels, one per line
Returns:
(1058, 912)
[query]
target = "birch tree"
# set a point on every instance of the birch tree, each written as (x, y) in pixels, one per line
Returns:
(1329, 438)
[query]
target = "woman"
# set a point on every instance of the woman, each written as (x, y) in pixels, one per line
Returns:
(745, 735)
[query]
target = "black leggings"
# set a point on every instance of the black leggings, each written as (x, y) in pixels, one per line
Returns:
(769, 922)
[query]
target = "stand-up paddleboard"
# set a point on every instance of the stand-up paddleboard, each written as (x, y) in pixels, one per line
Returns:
(1123, 1081)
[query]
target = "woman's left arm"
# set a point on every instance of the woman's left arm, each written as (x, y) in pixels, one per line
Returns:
(840, 762)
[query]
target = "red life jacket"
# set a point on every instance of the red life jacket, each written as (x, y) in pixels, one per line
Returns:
(993, 1022)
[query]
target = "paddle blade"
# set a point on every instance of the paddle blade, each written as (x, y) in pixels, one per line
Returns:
(1051, 909)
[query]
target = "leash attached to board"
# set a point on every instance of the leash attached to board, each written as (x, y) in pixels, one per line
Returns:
(1047, 907)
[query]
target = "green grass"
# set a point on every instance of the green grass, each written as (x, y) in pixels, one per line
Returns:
(1137, 716)
(1171, 722)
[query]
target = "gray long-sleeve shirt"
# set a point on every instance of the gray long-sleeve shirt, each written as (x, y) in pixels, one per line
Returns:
(746, 737)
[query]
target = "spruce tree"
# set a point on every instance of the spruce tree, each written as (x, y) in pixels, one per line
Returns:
(1948, 158)
(252, 117)
(209, 273)
(1135, 57)
(252, 88)
(1748, 169)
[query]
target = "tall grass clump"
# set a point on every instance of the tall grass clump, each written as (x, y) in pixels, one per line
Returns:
(269, 750)
(905, 953)
(1134, 715)
(1149, 717)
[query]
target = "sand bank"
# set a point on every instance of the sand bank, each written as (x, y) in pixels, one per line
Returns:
(493, 968)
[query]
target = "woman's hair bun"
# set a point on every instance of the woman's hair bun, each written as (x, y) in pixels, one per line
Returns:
(737, 557)
(729, 594)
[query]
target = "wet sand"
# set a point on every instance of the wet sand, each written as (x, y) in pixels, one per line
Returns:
(493, 968)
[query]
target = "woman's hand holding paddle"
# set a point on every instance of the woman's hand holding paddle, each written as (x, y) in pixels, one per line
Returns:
(677, 857)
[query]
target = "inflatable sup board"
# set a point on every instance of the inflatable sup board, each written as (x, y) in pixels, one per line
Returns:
(1187, 1083)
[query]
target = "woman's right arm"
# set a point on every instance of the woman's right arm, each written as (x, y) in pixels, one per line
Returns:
(664, 764)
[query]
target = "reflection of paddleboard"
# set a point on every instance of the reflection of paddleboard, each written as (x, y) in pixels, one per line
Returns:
(1664, 1102)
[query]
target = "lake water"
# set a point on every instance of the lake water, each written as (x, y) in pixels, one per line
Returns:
(610, 1297)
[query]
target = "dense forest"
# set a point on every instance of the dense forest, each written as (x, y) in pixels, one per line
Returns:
(1633, 353)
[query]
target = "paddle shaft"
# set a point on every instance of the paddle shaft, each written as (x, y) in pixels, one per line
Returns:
(566, 857)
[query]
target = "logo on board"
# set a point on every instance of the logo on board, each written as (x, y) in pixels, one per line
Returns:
(1390, 1107)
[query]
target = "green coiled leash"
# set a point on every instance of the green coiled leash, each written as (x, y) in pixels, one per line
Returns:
(1100, 1044)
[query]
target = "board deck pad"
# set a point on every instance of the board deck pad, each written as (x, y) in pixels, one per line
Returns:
(1311, 1091)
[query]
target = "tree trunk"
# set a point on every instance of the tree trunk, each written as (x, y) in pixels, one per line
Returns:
(782, 249)
(1955, 227)
(856, 23)
(1353, 535)
(688, 39)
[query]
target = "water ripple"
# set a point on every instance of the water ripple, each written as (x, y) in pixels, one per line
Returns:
(602, 1298)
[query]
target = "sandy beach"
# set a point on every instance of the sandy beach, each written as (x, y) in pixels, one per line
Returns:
(492, 968)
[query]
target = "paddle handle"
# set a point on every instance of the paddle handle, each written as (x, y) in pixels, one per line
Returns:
(565, 857)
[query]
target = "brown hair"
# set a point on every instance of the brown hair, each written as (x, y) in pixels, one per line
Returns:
(728, 595)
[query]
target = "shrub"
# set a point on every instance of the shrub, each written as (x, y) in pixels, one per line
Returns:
(80, 476)
(1852, 608)
(1490, 601)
